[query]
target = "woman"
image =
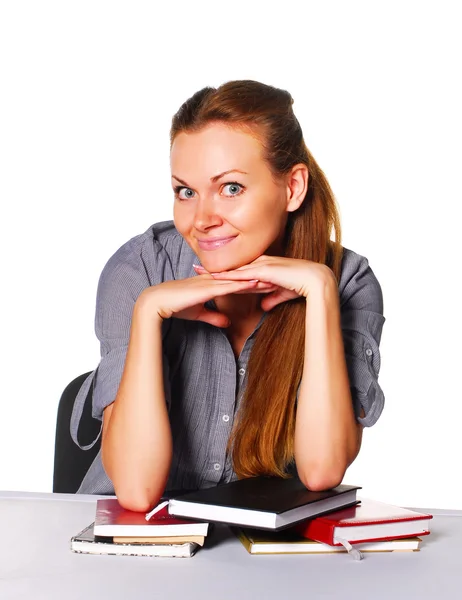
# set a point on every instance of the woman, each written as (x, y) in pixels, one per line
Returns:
(238, 339)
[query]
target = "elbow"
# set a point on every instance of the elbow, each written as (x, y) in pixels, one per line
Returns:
(135, 503)
(319, 480)
(324, 473)
(316, 484)
(138, 500)
(135, 495)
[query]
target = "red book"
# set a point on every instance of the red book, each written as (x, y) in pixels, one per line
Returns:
(369, 521)
(112, 520)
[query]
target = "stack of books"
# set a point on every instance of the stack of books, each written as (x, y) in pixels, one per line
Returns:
(125, 532)
(370, 526)
(268, 514)
(273, 515)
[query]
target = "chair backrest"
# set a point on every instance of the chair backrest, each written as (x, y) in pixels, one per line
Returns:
(70, 462)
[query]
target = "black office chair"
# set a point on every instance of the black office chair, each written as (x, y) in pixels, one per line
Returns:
(70, 462)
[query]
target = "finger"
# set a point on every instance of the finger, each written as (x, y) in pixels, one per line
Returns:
(214, 318)
(256, 290)
(270, 288)
(221, 282)
(221, 288)
(270, 301)
(253, 291)
(247, 273)
(278, 297)
(266, 288)
(266, 285)
(260, 284)
(206, 276)
(221, 274)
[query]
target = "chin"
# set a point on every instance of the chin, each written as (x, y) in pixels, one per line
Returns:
(226, 265)
(216, 264)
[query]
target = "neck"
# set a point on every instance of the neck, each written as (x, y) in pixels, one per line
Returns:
(240, 307)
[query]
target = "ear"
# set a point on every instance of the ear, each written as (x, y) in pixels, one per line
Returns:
(297, 186)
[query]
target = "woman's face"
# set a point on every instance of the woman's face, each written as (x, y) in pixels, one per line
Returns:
(227, 206)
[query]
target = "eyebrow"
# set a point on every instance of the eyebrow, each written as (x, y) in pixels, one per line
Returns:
(215, 178)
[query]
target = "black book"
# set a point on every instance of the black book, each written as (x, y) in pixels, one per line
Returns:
(262, 502)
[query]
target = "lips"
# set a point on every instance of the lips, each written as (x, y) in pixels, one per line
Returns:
(215, 243)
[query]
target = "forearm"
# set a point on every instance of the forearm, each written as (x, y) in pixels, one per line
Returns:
(327, 436)
(137, 445)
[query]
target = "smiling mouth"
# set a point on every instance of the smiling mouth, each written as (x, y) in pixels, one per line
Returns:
(215, 244)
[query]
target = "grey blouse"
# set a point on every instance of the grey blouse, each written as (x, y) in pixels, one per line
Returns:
(204, 381)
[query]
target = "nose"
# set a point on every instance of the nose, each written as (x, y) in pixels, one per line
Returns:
(206, 215)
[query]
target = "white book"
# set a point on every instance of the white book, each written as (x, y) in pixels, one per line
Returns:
(85, 543)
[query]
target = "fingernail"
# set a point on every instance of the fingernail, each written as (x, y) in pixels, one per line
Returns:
(254, 280)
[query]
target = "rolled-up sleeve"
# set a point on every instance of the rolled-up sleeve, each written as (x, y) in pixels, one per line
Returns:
(124, 277)
(362, 320)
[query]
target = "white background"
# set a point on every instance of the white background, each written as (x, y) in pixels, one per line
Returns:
(88, 90)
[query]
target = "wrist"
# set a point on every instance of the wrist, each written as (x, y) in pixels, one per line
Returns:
(324, 296)
(324, 284)
(146, 308)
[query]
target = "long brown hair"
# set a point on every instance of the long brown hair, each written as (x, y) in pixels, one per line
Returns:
(262, 441)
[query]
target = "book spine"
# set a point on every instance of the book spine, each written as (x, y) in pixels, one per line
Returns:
(320, 531)
(243, 539)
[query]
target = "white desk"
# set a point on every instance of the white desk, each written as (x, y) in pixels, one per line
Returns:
(36, 563)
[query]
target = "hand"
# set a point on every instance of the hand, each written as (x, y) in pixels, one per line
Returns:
(286, 278)
(185, 298)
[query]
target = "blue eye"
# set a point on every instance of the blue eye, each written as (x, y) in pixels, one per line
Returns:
(235, 188)
(189, 193)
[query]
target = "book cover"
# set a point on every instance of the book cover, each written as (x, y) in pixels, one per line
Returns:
(112, 520)
(85, 542)
(290, 542)
(263, 502)
(368, 521)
